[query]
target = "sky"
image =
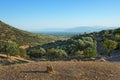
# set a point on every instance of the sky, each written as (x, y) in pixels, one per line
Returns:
(55, 14)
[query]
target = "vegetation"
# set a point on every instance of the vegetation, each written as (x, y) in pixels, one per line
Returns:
(90, 52)
(85, 45)
(21, 37)
(79, 53)
(71, 47)
(37, 53)
(108, 46)
(60, 53)
(56, 53)
(23, 53)
(11, 48)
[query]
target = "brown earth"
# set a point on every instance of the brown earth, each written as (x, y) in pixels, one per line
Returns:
(69, 70)
(9, 60)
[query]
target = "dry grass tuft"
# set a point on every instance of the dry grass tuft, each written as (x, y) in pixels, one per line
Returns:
(50, 69)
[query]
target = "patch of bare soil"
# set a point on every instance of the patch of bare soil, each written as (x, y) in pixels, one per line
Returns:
(68, 70)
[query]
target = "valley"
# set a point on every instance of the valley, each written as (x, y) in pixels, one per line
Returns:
(88, 56)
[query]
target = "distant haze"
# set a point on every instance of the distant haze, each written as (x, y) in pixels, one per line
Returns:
(80, 29)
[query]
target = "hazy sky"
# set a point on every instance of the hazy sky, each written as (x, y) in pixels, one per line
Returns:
(39, 14)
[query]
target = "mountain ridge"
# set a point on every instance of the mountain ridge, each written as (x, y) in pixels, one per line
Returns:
(79, 29)
(89, 29)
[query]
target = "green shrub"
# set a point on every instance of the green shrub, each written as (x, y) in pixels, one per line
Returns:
(90, 52)
(51, 53)
(108, 46)
(23, 53)
(116, 31)
(60, 53)
(79, 53)
(56, 53)
(11, 48)
(37, 53)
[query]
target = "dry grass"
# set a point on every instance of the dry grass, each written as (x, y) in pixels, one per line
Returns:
(68, 70)
(4, 60)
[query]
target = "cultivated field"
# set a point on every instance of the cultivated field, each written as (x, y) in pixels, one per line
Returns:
(68, 70)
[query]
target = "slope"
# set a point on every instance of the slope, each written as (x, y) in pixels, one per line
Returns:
(21, 37)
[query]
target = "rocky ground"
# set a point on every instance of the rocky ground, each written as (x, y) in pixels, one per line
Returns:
(16, 68)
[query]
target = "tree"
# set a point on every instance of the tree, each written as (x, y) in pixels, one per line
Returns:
(108, 46)
(12, 48)
(90, 52)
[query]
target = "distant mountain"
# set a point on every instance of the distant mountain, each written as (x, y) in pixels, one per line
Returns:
(21, 37)
(88, 29)
(75, 30)
(68, 32)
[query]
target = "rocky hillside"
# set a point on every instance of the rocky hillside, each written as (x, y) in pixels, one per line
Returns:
(21, 37)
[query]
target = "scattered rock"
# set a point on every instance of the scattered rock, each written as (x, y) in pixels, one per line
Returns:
(102, 60)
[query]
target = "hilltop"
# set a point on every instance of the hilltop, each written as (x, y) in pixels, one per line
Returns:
(22, 37)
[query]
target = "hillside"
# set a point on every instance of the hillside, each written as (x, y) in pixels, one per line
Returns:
(21, 37)
(63, 71)
(9, 60)
(85, 45)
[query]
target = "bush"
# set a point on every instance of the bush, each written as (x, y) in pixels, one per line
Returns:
(117, 37)
(87, 39)
(23, 53)
(60, 53)
(90, 52)
(11, 48)
(79, 53)
(116, 31)
(108, 46)
(51, 53)
(37, 53)
(2, 45)
(56, 53)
